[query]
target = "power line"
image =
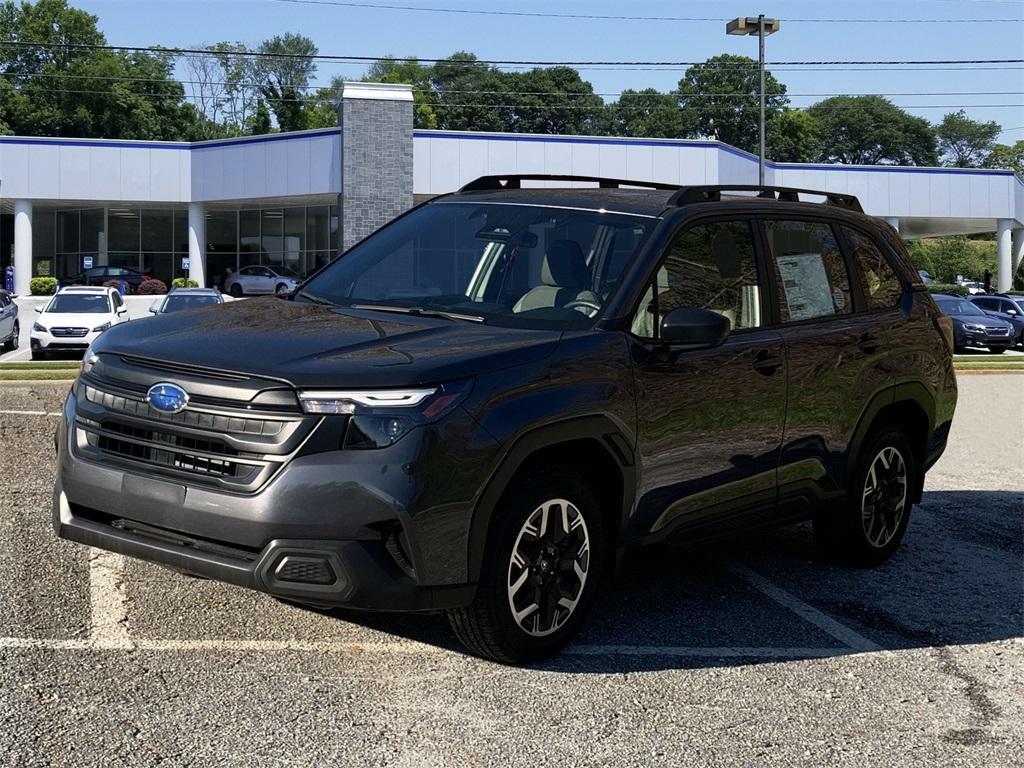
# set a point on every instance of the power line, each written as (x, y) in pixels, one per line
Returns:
(606, 17)
(476, 62)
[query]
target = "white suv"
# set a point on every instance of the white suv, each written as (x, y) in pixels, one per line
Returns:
(74, 318)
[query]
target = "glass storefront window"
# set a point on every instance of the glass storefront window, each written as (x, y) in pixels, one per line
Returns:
(93, 239)
(124, 229)
(248, 238)
(67, 231)
(157, 230)
(272, 235)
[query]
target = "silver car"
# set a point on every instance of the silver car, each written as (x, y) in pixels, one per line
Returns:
(254, 279)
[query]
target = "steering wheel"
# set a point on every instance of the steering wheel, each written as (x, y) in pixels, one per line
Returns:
(582, 305)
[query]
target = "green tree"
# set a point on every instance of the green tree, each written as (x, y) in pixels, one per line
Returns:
(794, 136)
(259, 123)
(965, 143)
(470, 96)
(410, 71)
(722, 96)
(946, 258)
(1007, 156)
(650, 113)
(284, 73)
(872, 130)
(60, 89)
(554, 100)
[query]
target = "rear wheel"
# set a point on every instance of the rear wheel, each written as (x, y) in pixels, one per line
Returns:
(540, 575)
(235, 290)
(870, 525)
(12, 343)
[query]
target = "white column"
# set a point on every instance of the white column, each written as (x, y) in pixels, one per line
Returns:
(197, 243)
(1017, 250)
(894, 222)
(22, 246)
(1005, 277)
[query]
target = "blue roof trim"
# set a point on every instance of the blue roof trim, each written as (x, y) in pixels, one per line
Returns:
(265, 138)
(180, 146)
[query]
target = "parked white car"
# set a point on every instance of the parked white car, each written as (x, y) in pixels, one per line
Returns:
(253, 279)
(74, 318)
(974, 288)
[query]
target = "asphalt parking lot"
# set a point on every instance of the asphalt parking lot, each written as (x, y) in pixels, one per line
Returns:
(753, 653)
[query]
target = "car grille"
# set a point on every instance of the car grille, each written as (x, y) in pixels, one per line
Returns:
(997, 331)
(206, 445)
(69, 332)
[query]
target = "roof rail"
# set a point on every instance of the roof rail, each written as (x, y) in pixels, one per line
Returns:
(713, 193)
(515, 180)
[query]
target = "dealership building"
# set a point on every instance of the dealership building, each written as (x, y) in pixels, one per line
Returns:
(204, 209)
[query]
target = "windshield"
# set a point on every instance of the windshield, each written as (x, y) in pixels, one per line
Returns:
(177, 303)
(958, 307)
(79, 303)
(284, 271)
(509, 264)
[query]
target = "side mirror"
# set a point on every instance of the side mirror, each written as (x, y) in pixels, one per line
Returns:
(154, 309)
(693, 328)
(39, 310)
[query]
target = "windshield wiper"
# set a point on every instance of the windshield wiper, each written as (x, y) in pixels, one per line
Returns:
(314, 299)
(422, 311)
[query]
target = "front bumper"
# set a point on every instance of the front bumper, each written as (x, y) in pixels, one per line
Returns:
(47, 341)
(322, 532)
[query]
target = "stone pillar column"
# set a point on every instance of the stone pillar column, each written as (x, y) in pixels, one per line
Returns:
(22, 246)
(1016, 251)
(197, 243)
(893, 221)
(1005, 269)
(376, 157)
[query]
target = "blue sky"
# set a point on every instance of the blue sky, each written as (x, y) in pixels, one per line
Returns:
(365, 31)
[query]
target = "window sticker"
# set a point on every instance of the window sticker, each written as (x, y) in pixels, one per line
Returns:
(805, 282)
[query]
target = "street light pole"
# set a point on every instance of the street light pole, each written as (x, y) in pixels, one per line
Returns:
(762, 27)
(760, 67)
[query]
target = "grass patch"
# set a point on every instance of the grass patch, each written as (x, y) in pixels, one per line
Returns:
(37, 375)
(42, 365)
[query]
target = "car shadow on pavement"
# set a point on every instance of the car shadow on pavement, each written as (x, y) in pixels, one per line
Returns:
(955, 581)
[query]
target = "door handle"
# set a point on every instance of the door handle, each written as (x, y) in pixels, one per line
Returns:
(766, 362)
(868, 344)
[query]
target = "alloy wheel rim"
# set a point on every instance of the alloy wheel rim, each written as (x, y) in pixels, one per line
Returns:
(884, 499)
(548, 568)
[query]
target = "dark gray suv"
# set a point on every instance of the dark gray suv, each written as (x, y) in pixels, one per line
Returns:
(479, 407)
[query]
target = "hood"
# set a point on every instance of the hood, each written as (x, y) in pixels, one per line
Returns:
(74, 319)
(310, 345)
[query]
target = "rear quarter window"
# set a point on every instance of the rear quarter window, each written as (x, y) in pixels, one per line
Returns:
(879, 282)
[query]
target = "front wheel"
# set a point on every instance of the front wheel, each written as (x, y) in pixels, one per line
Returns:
(12, 343)
(869, 526)
(281, 289)
(997, 350)
(235, 290)
(540, 574)
(39, 354)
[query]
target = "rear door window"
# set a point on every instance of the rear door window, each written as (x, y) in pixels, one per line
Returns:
(881, 285)
(809, 268)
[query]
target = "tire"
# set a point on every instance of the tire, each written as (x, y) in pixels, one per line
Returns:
(997, 350)
(235, 290)
(280, 288)
(12, 343)
(39, 354)
(516, 555)
(847, 534)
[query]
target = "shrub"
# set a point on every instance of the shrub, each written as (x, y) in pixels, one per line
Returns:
(183, 282)
(152, 287)
(948, 288)
(42, 286)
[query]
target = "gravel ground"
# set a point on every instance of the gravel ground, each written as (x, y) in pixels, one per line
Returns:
(754, 653)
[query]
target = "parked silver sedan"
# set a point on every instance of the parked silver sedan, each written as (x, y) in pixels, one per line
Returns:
(254, 279)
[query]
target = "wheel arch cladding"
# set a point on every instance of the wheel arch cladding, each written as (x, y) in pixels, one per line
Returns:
(909, 407)
(594, 447)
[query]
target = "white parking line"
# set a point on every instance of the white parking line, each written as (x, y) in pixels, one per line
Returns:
(29, 413)
(805, 611)
(108, 620)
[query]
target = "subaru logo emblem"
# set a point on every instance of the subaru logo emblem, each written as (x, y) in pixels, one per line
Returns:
(167, 398)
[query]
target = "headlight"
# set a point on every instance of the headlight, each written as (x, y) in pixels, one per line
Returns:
(974, 327)
(100, 328)
(89, 359)
(381, 417)
(38, 327)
